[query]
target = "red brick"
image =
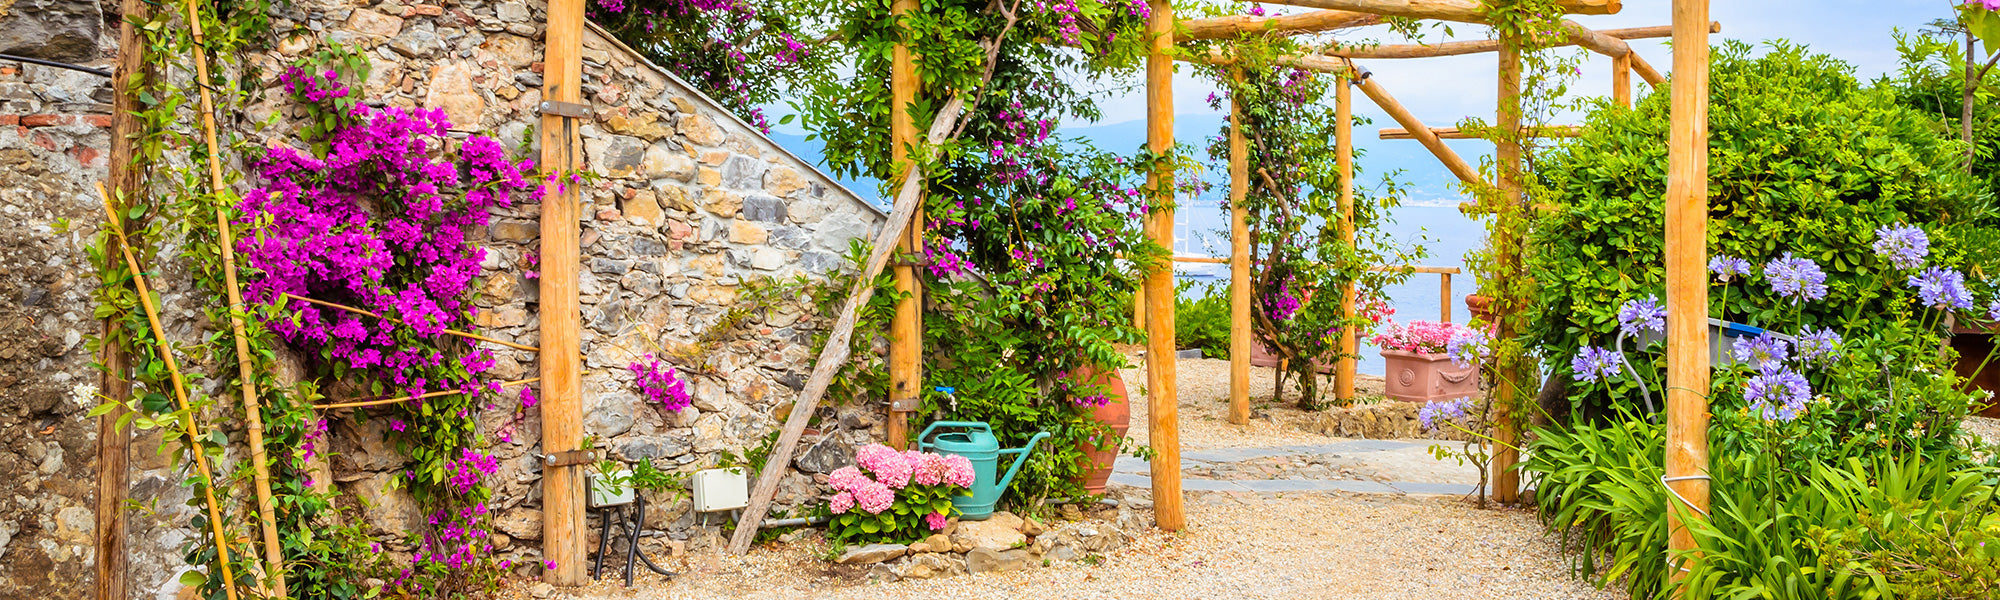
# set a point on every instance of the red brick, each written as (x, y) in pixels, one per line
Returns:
(46, 141)
(425, 9)
(44, 120)
(10, 120)
(535, 67)
(87, 155)
(98, 120)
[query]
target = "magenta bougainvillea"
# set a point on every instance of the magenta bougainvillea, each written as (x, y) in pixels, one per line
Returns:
(662, 385)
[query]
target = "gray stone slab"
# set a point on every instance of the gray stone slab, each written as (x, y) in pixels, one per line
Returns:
(1449, 489)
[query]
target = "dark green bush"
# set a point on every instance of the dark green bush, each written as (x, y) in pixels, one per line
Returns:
(1803, 159)
(1202, 321)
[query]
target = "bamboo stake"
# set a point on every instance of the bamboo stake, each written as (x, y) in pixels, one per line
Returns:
(1481, 46)
(451, 332)
(561, 308)
(246, 373)
(1162, 399)
(180, 393)
(1507, 250)
(1239, 264)
(113, 442)
(1350, 347)
(383, 401)
(1687, 281)
(834, 354)
(906, 327)
(1444, 153)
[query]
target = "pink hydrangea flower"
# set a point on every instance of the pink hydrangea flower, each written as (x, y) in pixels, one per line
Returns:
(935, 520)
(874, 498)
(847, 479)
(840, 503)
(930, 470)
(958, 471)
(889, 466)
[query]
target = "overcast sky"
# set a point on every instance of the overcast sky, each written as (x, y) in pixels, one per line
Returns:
(1442, 90)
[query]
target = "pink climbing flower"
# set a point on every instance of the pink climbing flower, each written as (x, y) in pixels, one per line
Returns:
(936, 521)
(841, 503)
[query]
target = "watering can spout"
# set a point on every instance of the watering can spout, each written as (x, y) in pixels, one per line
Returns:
(1021, 456)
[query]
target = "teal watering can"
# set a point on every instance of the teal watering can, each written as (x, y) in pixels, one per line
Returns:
(978, 444)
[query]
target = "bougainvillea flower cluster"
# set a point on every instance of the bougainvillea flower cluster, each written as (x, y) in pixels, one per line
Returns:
(661, 385)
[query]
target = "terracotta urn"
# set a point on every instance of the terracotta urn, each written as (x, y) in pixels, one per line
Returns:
(1420, 377)
(1482, 311)
(1097, 460)
(1974, 344)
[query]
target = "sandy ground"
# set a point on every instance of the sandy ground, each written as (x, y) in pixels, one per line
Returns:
(1204, 406)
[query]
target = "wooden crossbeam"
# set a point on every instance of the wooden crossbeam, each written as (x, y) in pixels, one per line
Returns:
(1305, 22)
(1444, 153)
(1463, 11)
(1481, 46)
(1453, 133)
(1310, 62)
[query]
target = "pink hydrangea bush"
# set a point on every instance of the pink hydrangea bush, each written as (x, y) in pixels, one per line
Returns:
(892, 496)
(1422, 337)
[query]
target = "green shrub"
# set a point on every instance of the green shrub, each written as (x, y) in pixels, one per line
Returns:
(1202, 321)
(1803, 159)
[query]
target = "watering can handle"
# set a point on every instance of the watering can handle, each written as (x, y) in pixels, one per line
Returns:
(923, 439)
(1022, 456)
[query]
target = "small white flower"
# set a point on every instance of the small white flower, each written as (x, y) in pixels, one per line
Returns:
(85, 394)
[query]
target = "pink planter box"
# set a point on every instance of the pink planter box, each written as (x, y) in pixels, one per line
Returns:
(1417, 377)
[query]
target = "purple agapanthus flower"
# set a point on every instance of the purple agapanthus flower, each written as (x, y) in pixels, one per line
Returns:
(1466, 348)
(1435, 414)
(1593, 363)
(1796, 278)
(1778, 394)
(1763, 349)
(1993, 311)
(1642, 315)
(1903, 246)
(1819, 346)
(1728, 268)
(1942, 289)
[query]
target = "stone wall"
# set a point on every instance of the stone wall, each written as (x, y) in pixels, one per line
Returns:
(688, 204)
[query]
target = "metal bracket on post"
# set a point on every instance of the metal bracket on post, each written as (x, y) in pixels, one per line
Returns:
(569, 458)
(565, 109)
(906, 405)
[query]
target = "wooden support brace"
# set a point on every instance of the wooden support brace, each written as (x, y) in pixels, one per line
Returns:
(1453, 133)
(1306, 22)
(1423, 134)
(1463, 11)
(1480, 46)
(834, 354)
(1310, 62)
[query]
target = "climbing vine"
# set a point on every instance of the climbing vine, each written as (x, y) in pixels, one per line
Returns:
(744, 53)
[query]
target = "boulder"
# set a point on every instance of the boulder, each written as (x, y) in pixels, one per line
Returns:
(926, 566)
(871, 554)
(991, 534)
(987, 560)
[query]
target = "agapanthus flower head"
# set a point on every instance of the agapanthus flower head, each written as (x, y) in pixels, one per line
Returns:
(1942, 289)
(1904, 246)
(1467, 348)
(1434, 415)
(1796, 278)
(1819, 346)
(1644, 314)
(1728, 268)
(1778, 394)
(1593, 364)
(1993, 310)
(1763, 349)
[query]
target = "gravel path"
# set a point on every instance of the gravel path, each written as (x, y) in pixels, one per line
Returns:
(1382, 520)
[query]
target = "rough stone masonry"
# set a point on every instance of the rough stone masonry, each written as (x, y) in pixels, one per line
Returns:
(689, 204)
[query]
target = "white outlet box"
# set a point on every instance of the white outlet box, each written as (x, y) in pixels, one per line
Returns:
(720, 489)
(606, 493)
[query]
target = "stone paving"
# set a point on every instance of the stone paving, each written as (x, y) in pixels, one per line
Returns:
(1398, 467)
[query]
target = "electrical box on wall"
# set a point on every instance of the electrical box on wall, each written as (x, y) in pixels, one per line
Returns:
(720, 489)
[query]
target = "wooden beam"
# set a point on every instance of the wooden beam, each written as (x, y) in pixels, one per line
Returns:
(1343, 156)
(1480, 46)
(1310, 62)
(114, 475)
(1621, 81)
(1239, 265)
(1506, 247)
(1453, 133)
(563, 536)
(1306, 22)
(1163, 427)
(1463, 11)
(1423, 134)
(1416, 269)
(1216, 260)
(1444, 298)
(1646, 71)
(1687, 281)
(834, 354)
(906, 330)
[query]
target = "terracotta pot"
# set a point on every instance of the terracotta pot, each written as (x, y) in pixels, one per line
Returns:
(1117, 414)
(1973, 345)
(1417, 377)
(1261, 356)
(1482, 311)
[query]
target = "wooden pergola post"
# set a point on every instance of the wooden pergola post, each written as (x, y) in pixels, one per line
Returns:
(1163, 407)
(114, 444)
(906, 330)
(1507, 251)
(560, 311)
(1343, 130)
(1687, 277)
(1621, 80)
(1239, 264)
